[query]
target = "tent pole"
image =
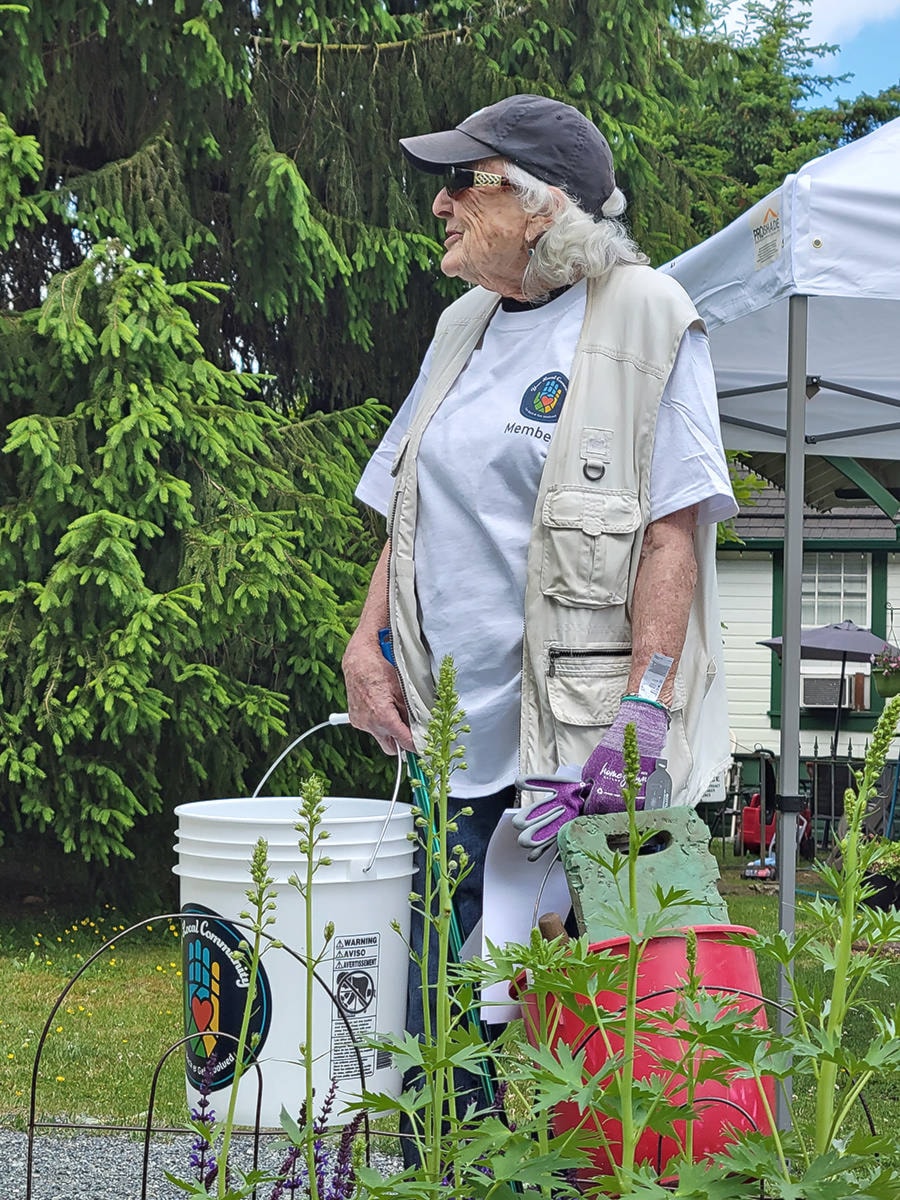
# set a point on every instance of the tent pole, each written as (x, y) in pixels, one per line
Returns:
(839, 708)
(789, 767)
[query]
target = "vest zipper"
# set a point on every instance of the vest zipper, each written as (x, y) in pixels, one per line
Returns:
(403, 691)
(556, 652)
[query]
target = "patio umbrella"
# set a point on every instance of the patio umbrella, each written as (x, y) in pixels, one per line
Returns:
(842, 642)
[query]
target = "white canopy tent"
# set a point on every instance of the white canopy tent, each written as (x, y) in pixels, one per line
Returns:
(801, 296)
(831, 233)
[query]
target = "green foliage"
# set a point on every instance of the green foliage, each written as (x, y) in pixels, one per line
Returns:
(262, 899)
(255, 144)
(473, 1153)
(756, 122)
(747, 487)
(20, 162)
(886, 859)
(697, 1036)
(176, 559)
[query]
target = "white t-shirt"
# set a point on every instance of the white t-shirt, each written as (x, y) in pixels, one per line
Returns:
(479, 469)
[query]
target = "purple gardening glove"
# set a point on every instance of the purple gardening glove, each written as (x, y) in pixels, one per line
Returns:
(599, 790)
(604, 771)
(539, 825)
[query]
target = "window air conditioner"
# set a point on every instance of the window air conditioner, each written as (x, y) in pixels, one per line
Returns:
(821, 691)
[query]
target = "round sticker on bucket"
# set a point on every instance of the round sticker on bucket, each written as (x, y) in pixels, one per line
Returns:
(355, 991)
(216, 978)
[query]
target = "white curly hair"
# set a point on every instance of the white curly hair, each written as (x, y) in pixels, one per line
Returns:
(575, 246)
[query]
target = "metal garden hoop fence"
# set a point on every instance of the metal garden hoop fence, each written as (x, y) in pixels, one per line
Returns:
(148, 1129)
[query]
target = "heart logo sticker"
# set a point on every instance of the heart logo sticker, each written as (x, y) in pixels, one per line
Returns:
(216, 979)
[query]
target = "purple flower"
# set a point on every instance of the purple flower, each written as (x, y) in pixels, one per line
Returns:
(343, 1176)
(887, 659)
(288, 1181)
(202, 1159)
(334, 1174)
(320, 1125)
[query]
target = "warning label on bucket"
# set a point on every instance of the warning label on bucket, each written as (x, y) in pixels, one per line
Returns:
(355, 986)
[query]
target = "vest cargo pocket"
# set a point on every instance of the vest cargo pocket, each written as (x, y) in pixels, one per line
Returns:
(584, 688)
(585, 685)
(588, 542)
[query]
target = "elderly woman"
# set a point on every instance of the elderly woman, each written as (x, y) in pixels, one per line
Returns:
(553, 479)
(553, 482)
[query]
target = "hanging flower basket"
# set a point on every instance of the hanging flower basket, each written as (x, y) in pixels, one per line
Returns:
(886, 684)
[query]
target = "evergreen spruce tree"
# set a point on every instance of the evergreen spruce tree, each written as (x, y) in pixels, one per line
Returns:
(255, 144)
(758, 121)
(207, 232)
(176, 559)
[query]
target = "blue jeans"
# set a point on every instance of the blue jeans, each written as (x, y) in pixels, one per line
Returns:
(474, 834)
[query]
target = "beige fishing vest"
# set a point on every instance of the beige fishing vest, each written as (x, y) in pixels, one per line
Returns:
(587, 530)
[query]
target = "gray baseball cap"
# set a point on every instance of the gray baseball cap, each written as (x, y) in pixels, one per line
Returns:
(552, 141)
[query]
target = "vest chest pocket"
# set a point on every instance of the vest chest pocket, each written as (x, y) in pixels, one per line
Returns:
(588, 541)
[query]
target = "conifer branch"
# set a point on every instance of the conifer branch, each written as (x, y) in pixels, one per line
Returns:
(460, 34)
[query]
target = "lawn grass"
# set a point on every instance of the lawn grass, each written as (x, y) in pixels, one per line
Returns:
(111, 1029)
(756, 904)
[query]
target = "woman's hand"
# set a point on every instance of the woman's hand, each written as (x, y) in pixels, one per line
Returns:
(374, 699)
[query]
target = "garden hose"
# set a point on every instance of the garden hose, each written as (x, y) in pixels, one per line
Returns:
(422, 800)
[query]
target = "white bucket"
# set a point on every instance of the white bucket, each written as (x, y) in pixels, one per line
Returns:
(237, 820)
(365, 964)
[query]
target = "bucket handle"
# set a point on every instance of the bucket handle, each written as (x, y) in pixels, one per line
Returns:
(390, 812)
(339, 719)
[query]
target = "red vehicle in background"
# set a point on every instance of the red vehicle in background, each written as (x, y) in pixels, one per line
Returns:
(747, 838)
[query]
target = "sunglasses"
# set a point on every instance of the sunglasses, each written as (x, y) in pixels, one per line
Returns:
(457, 179)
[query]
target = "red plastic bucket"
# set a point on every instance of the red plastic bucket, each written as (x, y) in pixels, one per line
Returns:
(724, 1110)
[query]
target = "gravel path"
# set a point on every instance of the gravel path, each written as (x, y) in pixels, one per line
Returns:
(108, 1166)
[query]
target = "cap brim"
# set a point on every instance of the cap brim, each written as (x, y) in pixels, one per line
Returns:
(433, 151)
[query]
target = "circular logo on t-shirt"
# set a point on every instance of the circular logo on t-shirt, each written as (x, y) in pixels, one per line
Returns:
(543, 399)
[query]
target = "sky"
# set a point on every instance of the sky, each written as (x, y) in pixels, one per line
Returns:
(868, 32)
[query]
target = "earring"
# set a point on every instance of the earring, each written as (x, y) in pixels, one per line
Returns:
(531, 251)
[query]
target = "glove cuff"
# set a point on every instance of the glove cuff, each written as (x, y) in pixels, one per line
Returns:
(654, 703)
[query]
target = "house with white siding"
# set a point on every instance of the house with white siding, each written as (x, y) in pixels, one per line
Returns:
(851, 570)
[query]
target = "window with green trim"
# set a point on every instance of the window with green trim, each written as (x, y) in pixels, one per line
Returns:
(835, 588)
(837, 585)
